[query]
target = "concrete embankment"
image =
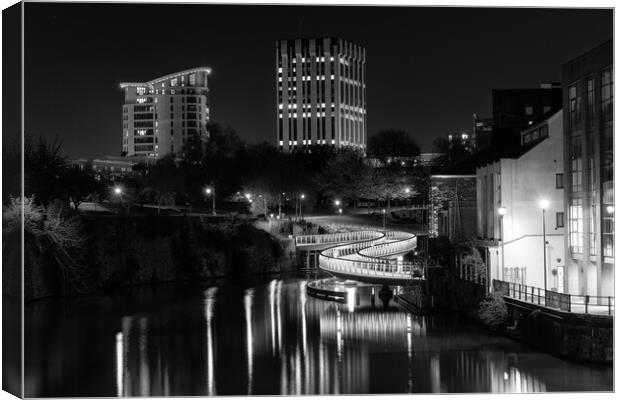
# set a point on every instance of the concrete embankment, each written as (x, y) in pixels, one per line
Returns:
(577, 337)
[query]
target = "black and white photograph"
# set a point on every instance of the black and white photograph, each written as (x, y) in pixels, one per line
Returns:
(324, 198)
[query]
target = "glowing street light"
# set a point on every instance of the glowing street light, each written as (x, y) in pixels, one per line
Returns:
(383, 220)
(340, 210)
(408, 192)
(211, 192)
(301, 210)
(337, 202)
(118, 191)
(501, 211)
(544, 203)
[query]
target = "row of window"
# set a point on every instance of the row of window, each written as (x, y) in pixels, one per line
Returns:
(575, 106)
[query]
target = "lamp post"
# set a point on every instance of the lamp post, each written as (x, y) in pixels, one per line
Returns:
(384, 220)
(301, 210)
(118, 191)
(544, 203)
(501, 211)
(211, 192)
(408, 191)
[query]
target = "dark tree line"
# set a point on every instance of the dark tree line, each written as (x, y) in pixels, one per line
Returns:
(229, 166)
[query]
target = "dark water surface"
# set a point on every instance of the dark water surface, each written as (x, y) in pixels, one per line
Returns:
(270, 338)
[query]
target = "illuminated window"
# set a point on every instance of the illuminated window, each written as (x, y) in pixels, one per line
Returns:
(192, 79)
(576, 167)
(574, 106)
(590, 104)
(608, 230)
(141, 90)
(592, 231)
(607, 95)
(575, 214)
(173, 82)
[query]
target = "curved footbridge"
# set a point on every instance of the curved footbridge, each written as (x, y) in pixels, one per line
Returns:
(365, 256)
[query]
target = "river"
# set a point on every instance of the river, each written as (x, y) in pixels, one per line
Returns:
(268, 337)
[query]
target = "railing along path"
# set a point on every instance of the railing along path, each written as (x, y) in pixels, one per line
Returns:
(365, 253)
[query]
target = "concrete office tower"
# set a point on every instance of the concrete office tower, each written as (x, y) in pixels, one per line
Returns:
(588, 87)
(167, 115)
(321, 94)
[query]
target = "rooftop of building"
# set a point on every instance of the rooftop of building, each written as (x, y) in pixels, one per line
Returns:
(150, 83)
(588, 53)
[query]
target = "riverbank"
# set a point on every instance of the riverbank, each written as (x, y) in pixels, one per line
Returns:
(126, 250)
(571, 336)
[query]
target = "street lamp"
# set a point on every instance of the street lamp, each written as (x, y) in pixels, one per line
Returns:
(408, 191)
(383, 220)
(337, 202)
(118, 191)
(544, 203)
(340, 210)
(501, 211)
(301, 210)
(211, 192)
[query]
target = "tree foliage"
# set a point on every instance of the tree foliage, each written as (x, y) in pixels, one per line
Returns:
(493, 312)
(392, 143)
(78, 185)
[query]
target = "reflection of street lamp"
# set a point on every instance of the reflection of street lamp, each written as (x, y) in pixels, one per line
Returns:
(501, 211)
(211, 192)
(544, 203)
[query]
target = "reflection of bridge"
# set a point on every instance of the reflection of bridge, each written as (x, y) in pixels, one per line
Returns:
(367, 256)
(371, 325)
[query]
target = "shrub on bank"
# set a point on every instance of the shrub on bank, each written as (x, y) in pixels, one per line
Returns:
(493, 311)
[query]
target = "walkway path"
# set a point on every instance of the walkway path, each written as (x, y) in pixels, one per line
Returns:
(367, 255)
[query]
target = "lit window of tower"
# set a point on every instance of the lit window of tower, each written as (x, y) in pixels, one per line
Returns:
(148, 128)
(321, 93)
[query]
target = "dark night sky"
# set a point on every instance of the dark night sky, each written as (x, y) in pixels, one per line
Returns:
(428, 69)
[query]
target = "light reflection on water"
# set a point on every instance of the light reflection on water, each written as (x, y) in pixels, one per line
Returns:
(274, 339)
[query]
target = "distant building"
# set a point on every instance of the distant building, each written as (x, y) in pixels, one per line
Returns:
(516, 109)
(589, 162)
(421, 160)
(321, 93)
(516, 186)
(167, 115)
(109, 167)
(464, 139)
(482, 132)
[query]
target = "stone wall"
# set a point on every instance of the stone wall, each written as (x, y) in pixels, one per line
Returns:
(578, 337)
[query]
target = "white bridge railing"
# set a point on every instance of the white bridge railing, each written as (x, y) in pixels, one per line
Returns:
(365, 253)
(341, 237)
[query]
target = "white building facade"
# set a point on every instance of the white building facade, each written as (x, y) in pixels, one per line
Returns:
(167, 115)
(510, 215)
